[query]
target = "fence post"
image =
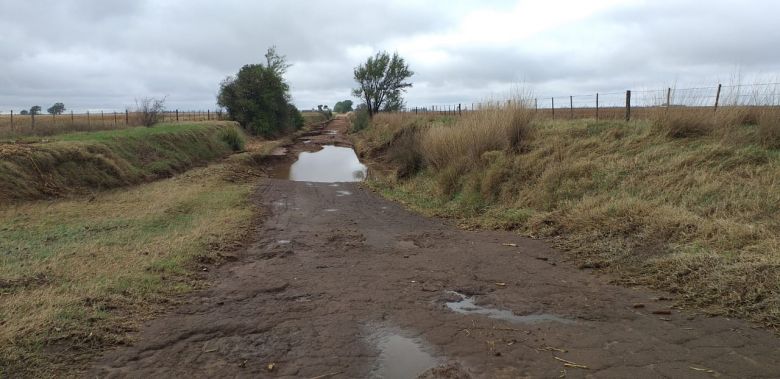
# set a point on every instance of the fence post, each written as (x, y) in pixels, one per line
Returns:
(177, 115)
(89, 122)
(571, 107)
(536, 105)
(102, 119)
(127, 117)
(597, 106)
(208, 114)
(115, 119)
(72, 120)
(553, 107)
(668, 97)
(459, 111)
(628, 105)
(12, 119)
(717, 97)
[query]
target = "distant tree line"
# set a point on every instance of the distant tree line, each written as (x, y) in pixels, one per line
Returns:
(57, 108)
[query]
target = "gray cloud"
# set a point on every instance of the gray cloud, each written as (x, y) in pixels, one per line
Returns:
(94, 54)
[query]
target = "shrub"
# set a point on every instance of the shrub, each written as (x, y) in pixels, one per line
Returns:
(150, 110)
(234, 138)
(360, 120)
(404, 152)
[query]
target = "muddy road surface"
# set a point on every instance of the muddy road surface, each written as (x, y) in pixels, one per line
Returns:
(340, 283)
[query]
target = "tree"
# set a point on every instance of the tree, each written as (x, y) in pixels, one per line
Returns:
(24, 112)
(382, 81)
(57, 108)
(259, 99)
(343, 106)
(35, 110)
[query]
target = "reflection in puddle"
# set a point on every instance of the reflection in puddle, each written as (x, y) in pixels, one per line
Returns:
(401, 357)
(343, 193)
(331, 164)
(466, 306)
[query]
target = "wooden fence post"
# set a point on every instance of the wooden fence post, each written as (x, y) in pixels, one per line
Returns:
(571, 107)
(536, 105)
(208, 114)
(459, 110)
(72, 120)
(102, 119)
(553, 107)
(597, 106)
(177, 115)
(115, 119)
(12, 119)
(628, 105)
(127, 117)
(89, 122)
(717, 97)
(668, 97)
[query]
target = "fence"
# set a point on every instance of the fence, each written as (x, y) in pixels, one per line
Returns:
(631, 104)
(15, 123)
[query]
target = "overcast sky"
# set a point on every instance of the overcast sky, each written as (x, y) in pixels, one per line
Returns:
(99, 54)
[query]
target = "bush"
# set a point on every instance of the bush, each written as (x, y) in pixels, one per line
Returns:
(149, 111)
(234, 138)
(360, 120)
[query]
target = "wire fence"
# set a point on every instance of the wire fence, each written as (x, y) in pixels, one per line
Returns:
(631, 104)
(13, 123)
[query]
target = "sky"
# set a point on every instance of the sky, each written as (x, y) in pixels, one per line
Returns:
(99, 54)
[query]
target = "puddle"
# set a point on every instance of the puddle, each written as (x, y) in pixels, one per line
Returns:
(331, 210)
(329, 165)
(283, 242)
(343, 193)
(401, 357)
(467, 306)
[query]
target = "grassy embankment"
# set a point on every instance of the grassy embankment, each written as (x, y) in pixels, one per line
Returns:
(77, 274)
(688, 201)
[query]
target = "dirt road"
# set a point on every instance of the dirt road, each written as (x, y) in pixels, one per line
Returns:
(341, 283)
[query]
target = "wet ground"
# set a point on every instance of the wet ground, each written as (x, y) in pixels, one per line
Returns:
(340, 283)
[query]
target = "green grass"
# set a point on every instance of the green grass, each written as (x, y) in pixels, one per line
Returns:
(90, 161)
(76, 275)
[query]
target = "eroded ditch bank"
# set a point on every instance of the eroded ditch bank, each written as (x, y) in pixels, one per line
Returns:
(341, 283)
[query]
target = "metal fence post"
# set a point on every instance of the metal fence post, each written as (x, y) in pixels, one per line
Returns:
(717, 97)
(571, 107)
(628, 105)
(553, 107)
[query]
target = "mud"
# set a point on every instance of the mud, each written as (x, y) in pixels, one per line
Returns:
(311, 306)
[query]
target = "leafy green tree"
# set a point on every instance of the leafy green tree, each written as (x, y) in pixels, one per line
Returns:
(259, 99)
(57, 108)
(24, 112)
(343, 106)
(382, 80)
(35, 110)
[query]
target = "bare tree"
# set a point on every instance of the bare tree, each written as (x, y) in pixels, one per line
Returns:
(150, 110)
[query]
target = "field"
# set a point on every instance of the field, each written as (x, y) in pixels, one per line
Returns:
(77, 274)
(685, 200)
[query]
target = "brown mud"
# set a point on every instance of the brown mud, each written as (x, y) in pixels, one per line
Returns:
(340, 283)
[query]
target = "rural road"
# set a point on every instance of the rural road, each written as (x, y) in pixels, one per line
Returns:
(340, 283)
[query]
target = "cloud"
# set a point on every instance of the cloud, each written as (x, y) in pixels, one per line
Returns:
(93, 54)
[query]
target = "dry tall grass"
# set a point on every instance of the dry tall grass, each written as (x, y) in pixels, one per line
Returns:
(687, 202)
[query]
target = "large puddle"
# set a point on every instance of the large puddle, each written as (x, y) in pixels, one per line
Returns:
(329, 165)
(466, 305)
(401, 357)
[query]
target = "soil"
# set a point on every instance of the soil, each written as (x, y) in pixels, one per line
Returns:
(317, 289)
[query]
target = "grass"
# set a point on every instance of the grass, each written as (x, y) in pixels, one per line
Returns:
(76, 275)
(85, 162)
(657, 202)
